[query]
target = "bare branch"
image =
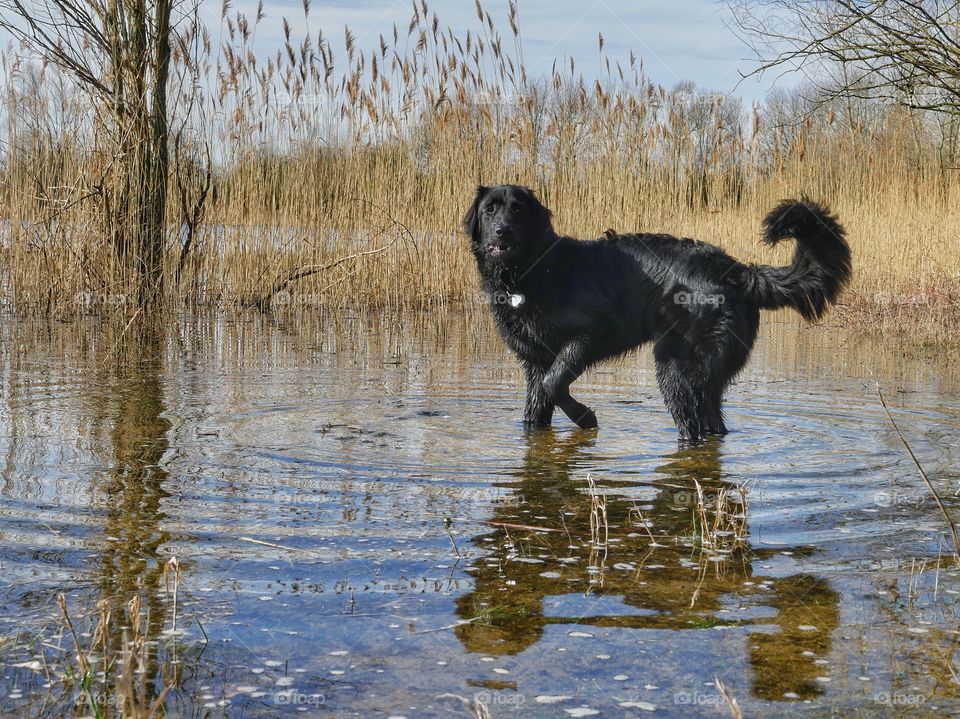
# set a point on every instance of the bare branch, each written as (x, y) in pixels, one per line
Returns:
(907, 51)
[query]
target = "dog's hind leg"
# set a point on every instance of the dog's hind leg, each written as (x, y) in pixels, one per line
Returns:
(539, 408)
(683, 396)
(693, 391)
(731, 354)
(569, 364)
(713, 408)
(688, 377)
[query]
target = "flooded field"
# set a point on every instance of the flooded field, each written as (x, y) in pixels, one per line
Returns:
(362, 527)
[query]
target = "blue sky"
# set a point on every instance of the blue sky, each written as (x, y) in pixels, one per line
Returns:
(677, 40)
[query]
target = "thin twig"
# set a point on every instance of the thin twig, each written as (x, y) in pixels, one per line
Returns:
(936, 496)
(530, 527)
(448, 627)
(269, 544)
(447, 523)
(729, 699)
(299, 273)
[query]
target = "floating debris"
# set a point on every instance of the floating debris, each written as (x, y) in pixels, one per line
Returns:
(32, 665)
(644, 706)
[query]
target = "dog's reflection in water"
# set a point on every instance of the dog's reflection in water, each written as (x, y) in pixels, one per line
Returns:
(539, 557)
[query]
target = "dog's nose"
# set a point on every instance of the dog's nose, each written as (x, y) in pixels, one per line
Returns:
(498, 231)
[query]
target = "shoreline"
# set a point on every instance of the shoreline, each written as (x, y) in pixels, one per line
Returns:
(907, 328)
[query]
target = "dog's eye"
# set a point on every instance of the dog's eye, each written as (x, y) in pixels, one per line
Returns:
(491, 208)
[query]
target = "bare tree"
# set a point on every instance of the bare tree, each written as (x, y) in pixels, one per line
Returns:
(119, 52)
(904, 50)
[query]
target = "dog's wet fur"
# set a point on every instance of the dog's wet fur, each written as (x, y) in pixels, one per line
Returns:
(563, 305)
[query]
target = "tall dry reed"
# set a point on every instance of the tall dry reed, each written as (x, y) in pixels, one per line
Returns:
(335, 174)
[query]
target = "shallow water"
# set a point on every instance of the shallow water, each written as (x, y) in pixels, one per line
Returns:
(317, 480)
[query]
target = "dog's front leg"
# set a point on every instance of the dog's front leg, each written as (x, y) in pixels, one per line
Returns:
(539, 408)
(569, 364)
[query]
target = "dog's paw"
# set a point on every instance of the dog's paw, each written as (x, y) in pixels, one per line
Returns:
(588, 420)
(535, 423)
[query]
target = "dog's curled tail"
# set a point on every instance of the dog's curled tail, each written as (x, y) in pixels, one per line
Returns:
(821, 260)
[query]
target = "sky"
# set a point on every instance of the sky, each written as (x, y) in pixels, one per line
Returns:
(677, 39)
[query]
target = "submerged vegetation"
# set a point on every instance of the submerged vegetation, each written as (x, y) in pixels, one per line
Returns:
(120, 661)
(335, 174)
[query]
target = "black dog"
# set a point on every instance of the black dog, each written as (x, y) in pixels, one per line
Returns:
(562, 305)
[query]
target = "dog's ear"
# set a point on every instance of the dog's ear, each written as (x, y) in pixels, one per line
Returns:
(544, 214)
(471, 221)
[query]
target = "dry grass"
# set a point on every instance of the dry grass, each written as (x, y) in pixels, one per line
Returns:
(599, 522)
(720, 518)
(120, 661)
(336, 175)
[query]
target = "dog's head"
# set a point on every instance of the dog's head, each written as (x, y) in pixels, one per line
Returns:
(507, 224)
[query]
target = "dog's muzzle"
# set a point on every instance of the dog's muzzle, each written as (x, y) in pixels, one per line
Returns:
(501, 241)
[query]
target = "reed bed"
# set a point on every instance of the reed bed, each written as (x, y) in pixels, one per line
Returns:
(335, 175)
